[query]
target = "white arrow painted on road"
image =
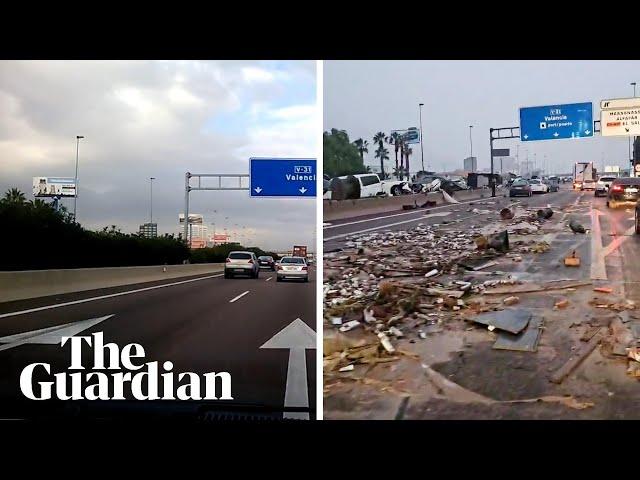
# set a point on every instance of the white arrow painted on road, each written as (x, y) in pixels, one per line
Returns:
(302, 190)
(297, 337)
(49, 335)
(258, 189)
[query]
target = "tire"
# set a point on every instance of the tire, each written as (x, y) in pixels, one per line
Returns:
(228, 275)
(395, 190)
(278, 279)
(637, 222)
(257, 274)
(306, 279)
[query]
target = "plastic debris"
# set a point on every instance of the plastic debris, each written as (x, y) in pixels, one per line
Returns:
(511, 300)
(350, 325)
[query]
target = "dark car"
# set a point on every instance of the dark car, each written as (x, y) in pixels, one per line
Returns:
(623, 190)
(520, 187)
(267, 262)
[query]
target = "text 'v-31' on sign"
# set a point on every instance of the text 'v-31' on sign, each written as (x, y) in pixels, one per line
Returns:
(282, 177)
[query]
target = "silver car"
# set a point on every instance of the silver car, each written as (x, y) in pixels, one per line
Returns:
(292, 267)
(241, 263)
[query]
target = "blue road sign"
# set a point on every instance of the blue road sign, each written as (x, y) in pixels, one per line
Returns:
(553, 122)
(282, 177)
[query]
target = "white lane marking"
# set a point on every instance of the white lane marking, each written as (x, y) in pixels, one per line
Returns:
(343, 235)
(238, 297)
(598, 269)
(297, 337)
(50, 335)
(412, 212)
(268, 279)
(76, 302)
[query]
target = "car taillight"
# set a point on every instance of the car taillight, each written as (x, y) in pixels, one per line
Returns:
(228, 260)
(251, 261)
(279, 267)
(617, 188)
(304, 269)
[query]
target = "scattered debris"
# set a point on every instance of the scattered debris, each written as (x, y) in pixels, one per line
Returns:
(506, 213)
(575, 360)
(511, 320)
(348, 368)
(527, 341)
(545, 213)
(603, 289)
(572, 260)
(541, 247)
(511, 300)
(350, 325)
(576, 227)
(561, 303)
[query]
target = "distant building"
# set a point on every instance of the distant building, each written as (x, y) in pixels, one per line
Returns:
(198, 234)
(471, 164)
(148, 230)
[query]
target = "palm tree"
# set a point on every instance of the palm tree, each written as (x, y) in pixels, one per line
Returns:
(380, 138)
(383, 154)
(14, 196)
(407, 151)
(395, 139)
(362, 146)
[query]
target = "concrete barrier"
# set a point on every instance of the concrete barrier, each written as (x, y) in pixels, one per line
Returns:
(40, 283)
(342, 209)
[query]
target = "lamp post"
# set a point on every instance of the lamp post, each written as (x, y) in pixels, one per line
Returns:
(420, 105)
(75, 198)
(471, 144)
(633, 84)
(151, 179)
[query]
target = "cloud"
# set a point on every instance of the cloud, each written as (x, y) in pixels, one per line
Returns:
(160, 119)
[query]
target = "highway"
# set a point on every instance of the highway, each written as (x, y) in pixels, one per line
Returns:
(463, 354)
(201, 324)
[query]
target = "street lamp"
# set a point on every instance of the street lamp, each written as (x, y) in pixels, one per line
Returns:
(420, 105)
(151, 179)
(75, 198)
(471, 144)
(633, 84)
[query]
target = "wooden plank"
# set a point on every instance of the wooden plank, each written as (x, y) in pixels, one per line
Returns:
(573, 362)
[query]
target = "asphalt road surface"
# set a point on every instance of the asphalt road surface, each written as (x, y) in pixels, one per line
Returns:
(608, 251)
(201, 324)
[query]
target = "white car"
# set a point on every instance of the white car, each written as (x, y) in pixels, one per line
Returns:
(537, 186)
(292, 268)
(603, 184)
(371, 186)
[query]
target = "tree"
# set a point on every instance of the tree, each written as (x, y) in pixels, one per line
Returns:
(395, 139)
(407, 151)
(362, 146)
(380, 138)
(383, 154)
(341, 157)
(14, 196)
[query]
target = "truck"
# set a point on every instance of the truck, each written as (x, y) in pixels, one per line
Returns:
(582, 171)
(299, 251)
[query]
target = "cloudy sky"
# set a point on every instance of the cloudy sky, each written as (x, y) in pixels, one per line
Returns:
(364, 97)
(160, 119)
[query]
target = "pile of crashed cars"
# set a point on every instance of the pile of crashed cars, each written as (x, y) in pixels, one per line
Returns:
(350, 187)
(409, 285)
